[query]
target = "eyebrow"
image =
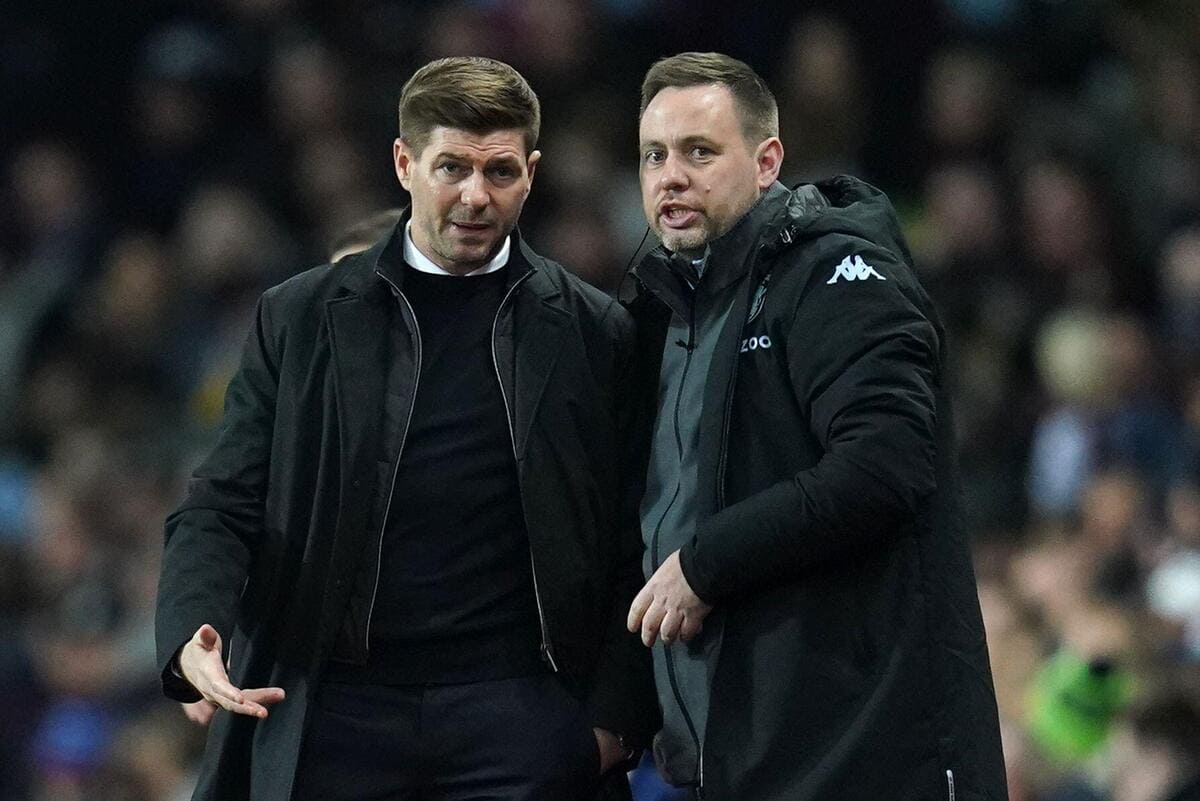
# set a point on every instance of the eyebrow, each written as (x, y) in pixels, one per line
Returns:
(687, 141)
(462, 157)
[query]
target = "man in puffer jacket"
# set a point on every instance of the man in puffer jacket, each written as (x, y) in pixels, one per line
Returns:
(810, 599)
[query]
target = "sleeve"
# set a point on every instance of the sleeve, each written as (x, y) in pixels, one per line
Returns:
(210, 540)
(863, 363)
(622, 698)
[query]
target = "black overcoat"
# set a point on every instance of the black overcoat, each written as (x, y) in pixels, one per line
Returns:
(277, 540)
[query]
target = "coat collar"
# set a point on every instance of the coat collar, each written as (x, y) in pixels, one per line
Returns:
(373, 272)
(526, 352)
(728, 254)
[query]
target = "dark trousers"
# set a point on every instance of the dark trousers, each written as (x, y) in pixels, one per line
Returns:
(523, 739)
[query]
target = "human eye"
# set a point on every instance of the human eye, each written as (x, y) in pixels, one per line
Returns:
(652, 157)
(701, 153)
(451, 169)
(505, 172)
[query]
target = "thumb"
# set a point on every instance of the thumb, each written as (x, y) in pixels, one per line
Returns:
(209, 639)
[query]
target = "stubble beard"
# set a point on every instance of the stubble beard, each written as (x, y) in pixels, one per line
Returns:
(455, 253)
(692, 239)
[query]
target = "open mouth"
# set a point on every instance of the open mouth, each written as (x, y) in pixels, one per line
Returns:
(673, 216)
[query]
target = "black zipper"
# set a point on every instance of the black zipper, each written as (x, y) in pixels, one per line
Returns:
(727, 411)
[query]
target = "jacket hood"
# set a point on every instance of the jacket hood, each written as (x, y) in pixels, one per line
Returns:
(841, 205)
(784, 217)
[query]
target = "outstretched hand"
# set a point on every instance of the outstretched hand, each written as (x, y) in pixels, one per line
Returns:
(667, 607)
(201, 664)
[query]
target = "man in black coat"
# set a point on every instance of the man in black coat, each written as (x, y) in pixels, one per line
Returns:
(403, 572)
(810, 598)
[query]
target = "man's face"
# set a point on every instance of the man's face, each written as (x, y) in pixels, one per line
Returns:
(467, 192)
(699, 175)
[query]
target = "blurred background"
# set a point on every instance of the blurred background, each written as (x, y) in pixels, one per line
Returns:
(161, 163)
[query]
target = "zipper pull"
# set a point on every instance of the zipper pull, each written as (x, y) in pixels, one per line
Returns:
(547, 653)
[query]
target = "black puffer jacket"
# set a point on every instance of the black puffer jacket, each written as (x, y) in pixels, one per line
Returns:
(853, 663)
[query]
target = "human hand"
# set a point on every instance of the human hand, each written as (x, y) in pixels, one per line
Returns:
(199, 712)
(612, 753)
(667, 606)
(201, 664)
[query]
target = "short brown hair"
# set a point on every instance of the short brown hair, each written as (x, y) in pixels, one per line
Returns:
(756, 106)
(473, 94)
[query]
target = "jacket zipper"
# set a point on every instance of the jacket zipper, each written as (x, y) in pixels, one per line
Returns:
(950, 783)
(396, 464)
(721, 464)
(728, 409)
(725, 437)
(670, 662)
(546, 648)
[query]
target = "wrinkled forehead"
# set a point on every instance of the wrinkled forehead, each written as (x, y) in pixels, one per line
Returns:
(505, 143)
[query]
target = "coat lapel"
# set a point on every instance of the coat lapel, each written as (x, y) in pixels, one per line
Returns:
(358, 333)
(362, 348)
(540, 326)
(540, 332)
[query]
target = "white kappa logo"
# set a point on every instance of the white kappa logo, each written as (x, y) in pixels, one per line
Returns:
(853, 268)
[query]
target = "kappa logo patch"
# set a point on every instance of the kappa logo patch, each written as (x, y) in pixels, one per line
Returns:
(853, 268)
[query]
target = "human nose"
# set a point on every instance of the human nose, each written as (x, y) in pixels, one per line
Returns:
(474, 193)
(673, 175)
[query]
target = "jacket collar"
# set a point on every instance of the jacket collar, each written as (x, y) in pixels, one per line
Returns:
(381, 266)
(358, 318)
(728, 255)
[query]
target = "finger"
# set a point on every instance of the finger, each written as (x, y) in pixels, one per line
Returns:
(220, 687)
(264, 696)
(671, 623)
(651, 622)
(690, 628)
(208, 638)
(638, 608)
(198, 656)
(241, 708)
(246, 702)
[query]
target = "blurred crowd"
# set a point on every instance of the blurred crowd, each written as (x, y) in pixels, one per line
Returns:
(164, 162)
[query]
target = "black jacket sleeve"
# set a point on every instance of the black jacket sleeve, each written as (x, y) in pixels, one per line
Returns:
(211, 539)
(622, 697)
(863, 363)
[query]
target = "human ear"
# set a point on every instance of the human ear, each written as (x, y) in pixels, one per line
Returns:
(403, 158)
(769, 159)
(531, 165)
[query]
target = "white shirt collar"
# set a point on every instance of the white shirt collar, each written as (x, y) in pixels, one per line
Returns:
(422, 263)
